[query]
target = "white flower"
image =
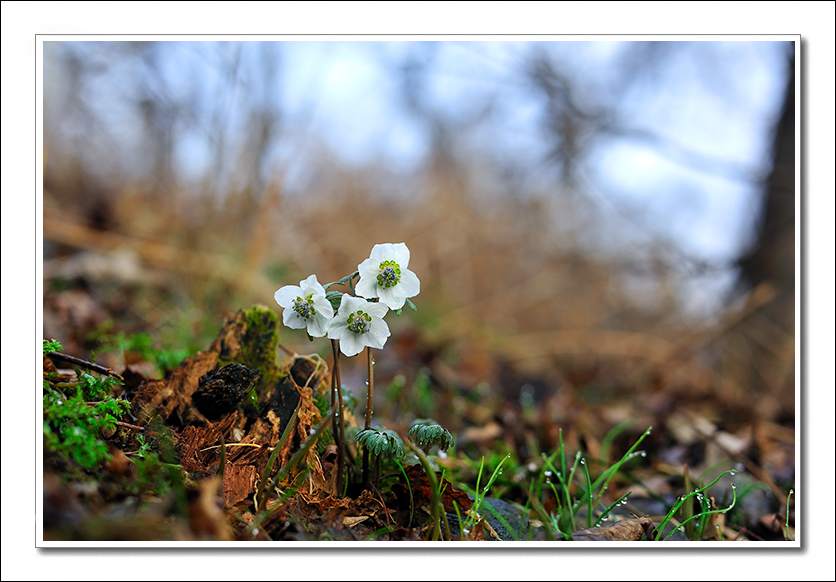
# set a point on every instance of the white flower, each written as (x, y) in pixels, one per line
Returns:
(305, 306)
(358, 324)
(385, 275)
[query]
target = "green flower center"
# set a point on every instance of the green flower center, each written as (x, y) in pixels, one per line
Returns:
(304, 307)
(359, 322)
(390, 274)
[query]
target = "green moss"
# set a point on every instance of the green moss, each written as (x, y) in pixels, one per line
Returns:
(259, 347)
(261, 340)
(72, 426)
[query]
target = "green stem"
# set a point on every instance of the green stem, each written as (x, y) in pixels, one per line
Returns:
(435, 500)
(338, 426)
(369, 407)
(409, 486)
(588, 495)
(261, 495)
(284, 471)
(681, 501)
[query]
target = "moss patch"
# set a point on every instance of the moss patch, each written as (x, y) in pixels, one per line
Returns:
(251, 338)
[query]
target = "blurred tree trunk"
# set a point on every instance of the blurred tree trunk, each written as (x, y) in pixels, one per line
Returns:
(763, 346)
(772, 256)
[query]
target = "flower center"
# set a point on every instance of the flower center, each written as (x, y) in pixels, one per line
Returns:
(304, 307)
(390, 274)
(359, 322)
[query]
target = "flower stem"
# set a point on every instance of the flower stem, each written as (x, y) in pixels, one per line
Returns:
(338, 424)
(434, 529)
(369, 406)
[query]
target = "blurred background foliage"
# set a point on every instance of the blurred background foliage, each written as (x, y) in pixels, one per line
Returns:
(589, 220)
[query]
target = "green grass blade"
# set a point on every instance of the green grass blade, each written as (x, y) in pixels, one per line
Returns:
(588, 495)
(268, 469)
(682, 499)
(611, 436)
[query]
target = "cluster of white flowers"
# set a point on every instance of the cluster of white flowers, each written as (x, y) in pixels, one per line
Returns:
(359, 320)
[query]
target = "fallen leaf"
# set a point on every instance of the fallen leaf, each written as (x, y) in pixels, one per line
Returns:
(352, 521)
(422, 493)
(626, 530)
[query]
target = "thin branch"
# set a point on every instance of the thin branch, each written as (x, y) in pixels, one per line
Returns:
(84, 364)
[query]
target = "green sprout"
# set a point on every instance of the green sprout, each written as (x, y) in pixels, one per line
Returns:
(425, 433)
(380, 442)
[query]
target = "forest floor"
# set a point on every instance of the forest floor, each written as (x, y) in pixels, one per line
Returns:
(234, 440)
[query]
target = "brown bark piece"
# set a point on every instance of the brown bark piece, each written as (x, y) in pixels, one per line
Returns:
(189, 443)
(174, 394)
(239, 483)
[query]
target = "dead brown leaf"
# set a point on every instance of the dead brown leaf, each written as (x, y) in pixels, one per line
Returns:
(626, 530)
(422, 493)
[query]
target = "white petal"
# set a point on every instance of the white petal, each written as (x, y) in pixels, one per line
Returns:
(334, 332)
(369, 268)
(400, 254)
(287, 294)
(391, 297)
(349, 304)
(409, 285)
(380, 253)
(367, 286)
(311, 282)
(318, 325)
(378, 334)
(338, 326)
(323, 306)
(376, 310)
(351, 344)
(293, 320)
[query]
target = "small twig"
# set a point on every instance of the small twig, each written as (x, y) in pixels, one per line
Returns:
(385, 509)
(131, 426)
(287, 351)
(232, 445)
(84, 364)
